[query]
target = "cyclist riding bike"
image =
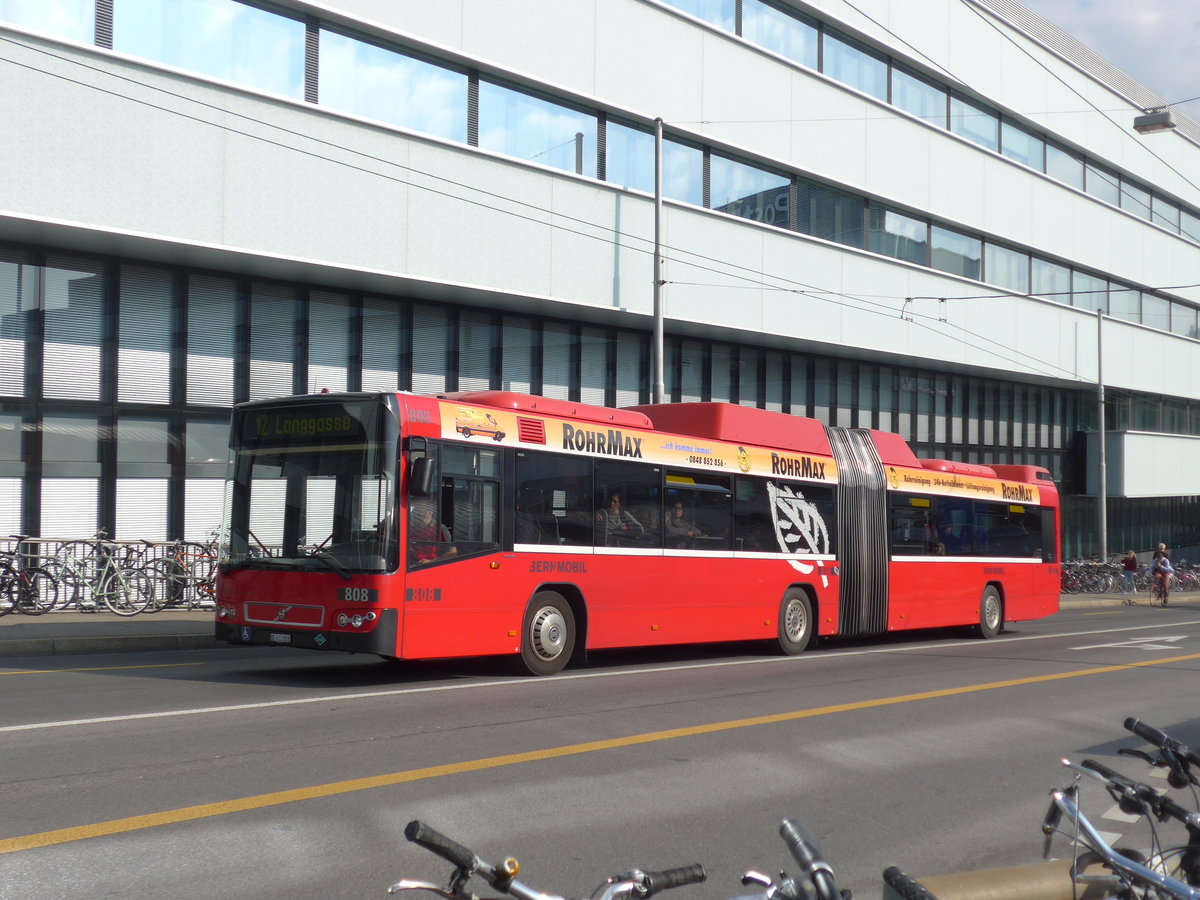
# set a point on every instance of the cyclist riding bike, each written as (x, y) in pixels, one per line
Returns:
(1162, 570)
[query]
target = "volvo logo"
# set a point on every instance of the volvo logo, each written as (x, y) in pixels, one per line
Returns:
(282, 614)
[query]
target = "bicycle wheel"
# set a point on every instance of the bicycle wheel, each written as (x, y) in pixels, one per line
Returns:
(7, 586)
(168, 584)
(37, 591)
(75, 565)
(126, 593)
(201, 563)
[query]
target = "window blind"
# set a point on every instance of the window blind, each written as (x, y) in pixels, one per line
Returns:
(474, 351)
(141, 509)
(69, 507)
(382, 331)
(144, 336)
(516, 362)
(430, 333)
(593, 368)
(272, 340)
(203, 500)
(630, 377)
(212, 331)
(556, 361)
(10, 505)
(18, 295)
(328, 341)
(74, 310)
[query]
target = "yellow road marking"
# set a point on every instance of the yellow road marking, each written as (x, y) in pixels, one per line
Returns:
(100, 669)
(313, 792)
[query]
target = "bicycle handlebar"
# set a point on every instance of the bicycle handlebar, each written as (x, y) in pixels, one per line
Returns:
(906, 886)
(1161, 739)
(808, 855)
(1118, 861)
(637, 883)
(1142, 797)
(1178, 756)
(450, 850)
(672, 878)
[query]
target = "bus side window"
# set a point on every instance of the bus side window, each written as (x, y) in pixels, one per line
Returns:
(1048, 528)
(754, 529)
(552, 499)
(912, 527)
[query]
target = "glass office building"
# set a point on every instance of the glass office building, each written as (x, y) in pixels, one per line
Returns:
(944, 227)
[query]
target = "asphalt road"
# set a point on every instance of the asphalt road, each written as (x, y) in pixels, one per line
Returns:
(264, 773)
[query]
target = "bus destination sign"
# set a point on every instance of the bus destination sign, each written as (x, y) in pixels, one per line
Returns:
(286, 424)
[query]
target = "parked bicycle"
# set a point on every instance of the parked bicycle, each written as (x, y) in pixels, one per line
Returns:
(25, 588)
(632, 885)
(186, 578)
(104, 572)
(1169, 870)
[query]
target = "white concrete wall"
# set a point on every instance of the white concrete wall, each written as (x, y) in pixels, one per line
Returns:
(1141, 464)
(646, 57)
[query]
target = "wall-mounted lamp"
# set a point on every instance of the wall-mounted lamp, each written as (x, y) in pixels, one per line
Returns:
(1154, 120)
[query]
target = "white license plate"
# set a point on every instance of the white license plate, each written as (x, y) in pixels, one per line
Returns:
(277, 638)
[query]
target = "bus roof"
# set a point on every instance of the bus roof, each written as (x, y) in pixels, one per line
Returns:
(548, 406)
(739, 425)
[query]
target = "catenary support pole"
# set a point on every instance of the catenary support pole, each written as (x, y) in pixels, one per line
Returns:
(657, 351)
(1102, 437)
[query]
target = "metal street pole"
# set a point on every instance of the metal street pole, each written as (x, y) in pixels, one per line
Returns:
(657, 348)
(1102, 453)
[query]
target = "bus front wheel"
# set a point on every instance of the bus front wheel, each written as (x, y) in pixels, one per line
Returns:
(797, 628)
(548, 634)
(991, 613)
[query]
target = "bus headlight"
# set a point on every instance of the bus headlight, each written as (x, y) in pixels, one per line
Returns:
(355, 619)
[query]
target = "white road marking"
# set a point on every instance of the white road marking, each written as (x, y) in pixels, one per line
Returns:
(1117, 815)
(531, 683)
(1141, 643)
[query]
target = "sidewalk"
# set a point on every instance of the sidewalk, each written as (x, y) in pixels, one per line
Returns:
(102, 632)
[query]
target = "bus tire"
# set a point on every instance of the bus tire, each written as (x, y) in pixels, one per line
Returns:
(991, 614)
(548, 634)
(797, 627)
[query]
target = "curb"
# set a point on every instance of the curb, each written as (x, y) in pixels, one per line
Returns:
(112, 644)
(132, 643)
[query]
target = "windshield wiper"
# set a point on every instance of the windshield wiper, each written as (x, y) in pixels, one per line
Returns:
(330, 560)
(249, 562)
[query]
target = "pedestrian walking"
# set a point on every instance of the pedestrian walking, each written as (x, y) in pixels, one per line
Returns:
(1129, 573)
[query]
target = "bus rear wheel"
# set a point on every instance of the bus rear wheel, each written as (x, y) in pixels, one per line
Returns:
(991, 614)
(548, 634)
(797, 628)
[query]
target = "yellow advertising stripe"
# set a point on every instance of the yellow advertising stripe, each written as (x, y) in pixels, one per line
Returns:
(100, 668)
(277, 798)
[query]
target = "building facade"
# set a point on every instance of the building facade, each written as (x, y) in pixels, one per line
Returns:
(933, 218)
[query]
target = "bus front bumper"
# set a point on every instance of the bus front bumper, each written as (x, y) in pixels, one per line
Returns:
(380, 640)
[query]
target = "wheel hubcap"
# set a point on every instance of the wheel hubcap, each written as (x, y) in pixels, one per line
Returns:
(548, 633)
(795, 623)
(992, 612)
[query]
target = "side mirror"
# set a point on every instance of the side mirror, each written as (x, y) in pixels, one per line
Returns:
(420, 477)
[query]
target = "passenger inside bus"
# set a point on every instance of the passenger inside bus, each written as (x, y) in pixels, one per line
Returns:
(681, 530)
(618, 525)
(428, 538)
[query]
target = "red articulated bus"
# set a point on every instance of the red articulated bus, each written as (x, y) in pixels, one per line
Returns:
(378, 523)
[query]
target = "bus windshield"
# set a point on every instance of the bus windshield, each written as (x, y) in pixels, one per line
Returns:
(312, 486)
